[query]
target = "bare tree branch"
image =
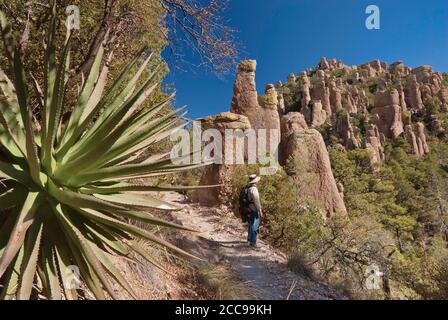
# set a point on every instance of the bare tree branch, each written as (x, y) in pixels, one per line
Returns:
(205, 31)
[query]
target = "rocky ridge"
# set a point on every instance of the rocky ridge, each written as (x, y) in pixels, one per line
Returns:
(364, 106)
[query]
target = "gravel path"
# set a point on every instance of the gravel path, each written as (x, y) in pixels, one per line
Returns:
(221, 237)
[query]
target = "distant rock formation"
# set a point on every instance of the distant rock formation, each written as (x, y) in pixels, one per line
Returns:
(349, 134)
(389, 111)
(413, 94)
(374, 144)
(361, 106)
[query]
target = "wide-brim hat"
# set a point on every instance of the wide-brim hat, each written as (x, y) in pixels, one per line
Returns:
(253, 178)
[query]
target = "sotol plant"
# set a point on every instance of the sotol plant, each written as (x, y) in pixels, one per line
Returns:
(65, 195)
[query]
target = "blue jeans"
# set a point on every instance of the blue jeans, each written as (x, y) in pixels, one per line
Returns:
(254, 224)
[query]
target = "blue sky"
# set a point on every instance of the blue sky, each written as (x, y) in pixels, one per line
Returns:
(287, 36)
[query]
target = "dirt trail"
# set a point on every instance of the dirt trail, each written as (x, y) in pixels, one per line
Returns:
(221, 238)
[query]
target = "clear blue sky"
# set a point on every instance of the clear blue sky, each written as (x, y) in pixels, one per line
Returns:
(287, 36)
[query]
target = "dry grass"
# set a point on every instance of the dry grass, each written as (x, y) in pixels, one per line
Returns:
(223, 284)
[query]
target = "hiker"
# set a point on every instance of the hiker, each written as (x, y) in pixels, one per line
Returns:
(254, 209)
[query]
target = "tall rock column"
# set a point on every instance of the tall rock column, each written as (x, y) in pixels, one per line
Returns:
(306, 95)
(262, 111)
(321, 92)
(245, 97)
(335, 97)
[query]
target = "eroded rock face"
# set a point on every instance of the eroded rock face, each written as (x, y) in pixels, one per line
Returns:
(349, 134)
(389, 111)
(383, 98)
(413, 94)
(415, 135)
(374, 144)
(270, 105)
(412, 139)
(310, 169)
(318, 114)
(443, 96)
(306, 95)
(398, 68)
(290, 123)
(219, 173)
(421, 139)
(281, 100)
(321, 92)
(335, 97)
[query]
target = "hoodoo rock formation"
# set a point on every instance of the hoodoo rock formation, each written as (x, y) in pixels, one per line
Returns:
(296, 138)
(304, 152)
(359, 107)
(219, 174)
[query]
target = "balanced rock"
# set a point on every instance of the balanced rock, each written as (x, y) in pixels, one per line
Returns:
(219, 174)
(245, 97)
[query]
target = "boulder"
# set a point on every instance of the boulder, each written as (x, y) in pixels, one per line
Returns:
(290, 123)
(310, 169)
(398, 68)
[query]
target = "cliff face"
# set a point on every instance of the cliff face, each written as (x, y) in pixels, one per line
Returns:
(363, 106)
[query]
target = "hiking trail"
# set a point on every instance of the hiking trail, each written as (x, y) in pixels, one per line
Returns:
(221, 238)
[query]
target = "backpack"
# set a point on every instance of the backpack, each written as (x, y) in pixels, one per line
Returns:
(244, 203)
